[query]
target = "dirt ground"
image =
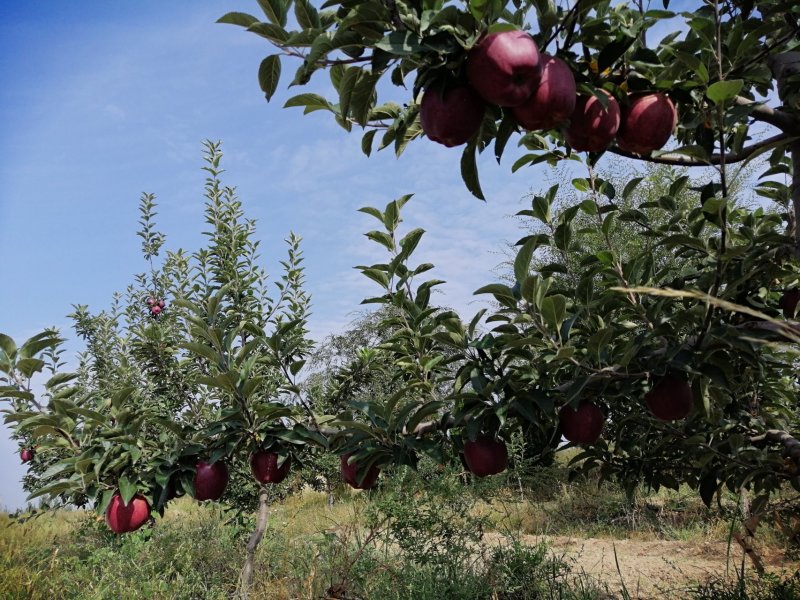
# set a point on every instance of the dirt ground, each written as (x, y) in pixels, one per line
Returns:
(656, 569)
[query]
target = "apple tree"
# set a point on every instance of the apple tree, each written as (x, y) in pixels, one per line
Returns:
(188, 380)
(664, 372)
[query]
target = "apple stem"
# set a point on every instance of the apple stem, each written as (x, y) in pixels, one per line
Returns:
(246, 576)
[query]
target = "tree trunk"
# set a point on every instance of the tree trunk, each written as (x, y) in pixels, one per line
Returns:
(246, 576)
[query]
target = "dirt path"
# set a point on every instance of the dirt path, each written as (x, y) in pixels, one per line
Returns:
(654, 569)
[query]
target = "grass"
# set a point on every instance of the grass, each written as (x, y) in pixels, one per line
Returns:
(412, 539)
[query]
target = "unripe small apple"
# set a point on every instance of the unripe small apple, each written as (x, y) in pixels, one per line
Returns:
(581, 426)
(210, 480)
(788, 303)
(26, 454)
(670, 399)
(265, 469)
(486, 456)
(453, 117)
(122, 519)
(504, 67)
(592, 126)
(553, 101)
(350, 473)
(647, 123)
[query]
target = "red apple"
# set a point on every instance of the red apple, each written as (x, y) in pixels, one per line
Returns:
(647, 123)
(592, 126)
(26, 454)
(504, 67)
(453, 117)
(155, 310)
(264, 466)
(670, 399)
(210, 480)
(553, 101)
(122, 519)
(350, 474)
(151, 301)
(788, 303)
(582, 426)
(162, 304)
(486, 456)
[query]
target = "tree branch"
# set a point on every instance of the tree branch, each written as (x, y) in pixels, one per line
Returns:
(716, 159)
(780, 438)
(778, 118)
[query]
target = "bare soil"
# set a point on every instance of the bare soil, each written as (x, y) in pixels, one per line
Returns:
(657, 569)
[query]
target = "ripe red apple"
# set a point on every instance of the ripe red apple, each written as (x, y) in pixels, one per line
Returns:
(486, 456)
(210, 480)
(350, 474)
(553, 101)
(788, 303)
(151, 301)
(453, 117)
(504, 67)
(647, 123)
(592, 126)
(155, 310)
(582, 426)
(26, 454)
(670, 399)
(122, 519)
(264, 466)
(162, 304)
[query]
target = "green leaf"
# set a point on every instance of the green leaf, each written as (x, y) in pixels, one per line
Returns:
(400, 43)
(311, 101)
(273, 33)
(469, 171)
(238, 18)
(630, 187)
(722, 91)
(307, 16)
(522, 262)
(275, 11)
(269, 74)
(554, 310)
(366, 141)
(372, 211)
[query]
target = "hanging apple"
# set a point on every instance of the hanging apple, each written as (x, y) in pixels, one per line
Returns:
(647, 123)
(504, 67)
(582, 425)
(553, 101)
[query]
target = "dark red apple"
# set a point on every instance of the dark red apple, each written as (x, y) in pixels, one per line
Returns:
(486, 456)
(151, 301)
(504, 67)
(582, 426)
(26, 454)
(162, 304)
(350, 474)
(122, 519)
(788, 303)
(453, 117)
(553, 101)
(647, 123)
(592, 126)
(210, 480)
(264, 466)
(670, 399)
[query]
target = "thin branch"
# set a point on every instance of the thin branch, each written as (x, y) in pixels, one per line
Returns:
(715, 159)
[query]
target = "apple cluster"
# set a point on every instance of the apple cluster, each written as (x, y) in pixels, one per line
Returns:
(156, 306)
(506, 69)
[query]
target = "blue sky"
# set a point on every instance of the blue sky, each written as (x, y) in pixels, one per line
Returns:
(101, 101)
